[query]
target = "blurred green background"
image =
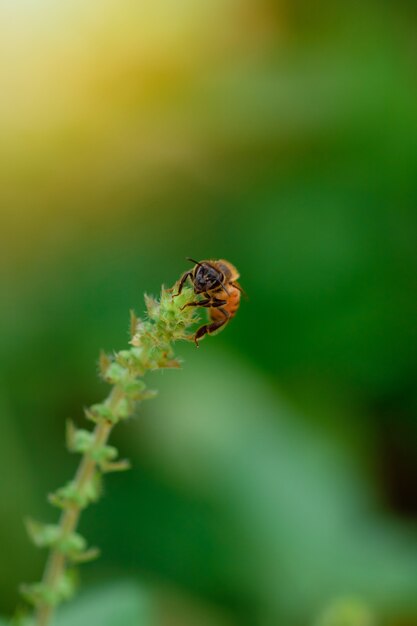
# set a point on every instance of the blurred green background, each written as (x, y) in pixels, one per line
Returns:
(274, 477)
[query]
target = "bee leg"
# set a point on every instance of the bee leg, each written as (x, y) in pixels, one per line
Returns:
(205, 303)
(217, 303)
(181, 284)
(207, 329)
(203, 330)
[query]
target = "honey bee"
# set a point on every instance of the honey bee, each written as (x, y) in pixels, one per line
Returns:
(217, 282)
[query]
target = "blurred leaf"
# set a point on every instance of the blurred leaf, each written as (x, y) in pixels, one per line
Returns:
(346, 612)
(122, 604)
(304, 526)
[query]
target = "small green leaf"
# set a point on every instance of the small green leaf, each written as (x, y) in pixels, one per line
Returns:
(149, 394)
(123, 410)
(104, 453)
(73, 543)
(125, 358)
(152, 306)
(42, 535)
(67, 585)
(70, 496)
(84, 557)
(82, 440)
(104, 363)
(115, 373)
(134, 387)
(117, 466)
(36, 594)
(98, 412)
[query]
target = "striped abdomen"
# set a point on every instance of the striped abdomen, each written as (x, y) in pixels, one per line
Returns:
(231, 304)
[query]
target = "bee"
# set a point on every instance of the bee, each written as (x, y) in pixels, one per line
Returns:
(217, 282)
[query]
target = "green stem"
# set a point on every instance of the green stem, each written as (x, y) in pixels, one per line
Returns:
(56, 563)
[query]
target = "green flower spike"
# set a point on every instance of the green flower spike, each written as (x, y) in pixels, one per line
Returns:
(150, 349)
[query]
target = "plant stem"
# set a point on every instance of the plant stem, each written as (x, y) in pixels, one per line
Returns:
(68, 522)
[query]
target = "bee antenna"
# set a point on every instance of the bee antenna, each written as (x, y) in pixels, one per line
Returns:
(192, 260)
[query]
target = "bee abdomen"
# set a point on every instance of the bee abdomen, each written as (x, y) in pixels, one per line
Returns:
(230, 305)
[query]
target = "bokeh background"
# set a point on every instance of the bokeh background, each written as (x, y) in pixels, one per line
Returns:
(274, 477)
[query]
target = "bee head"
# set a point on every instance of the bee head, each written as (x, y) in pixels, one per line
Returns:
(206, 277)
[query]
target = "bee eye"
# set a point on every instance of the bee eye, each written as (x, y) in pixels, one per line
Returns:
(207, 276)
